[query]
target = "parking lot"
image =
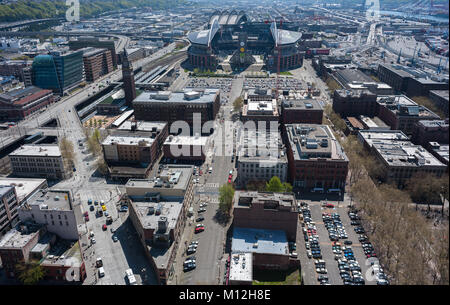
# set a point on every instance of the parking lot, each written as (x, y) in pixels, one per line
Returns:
(285, 83)
(330, 250)
(224, 84)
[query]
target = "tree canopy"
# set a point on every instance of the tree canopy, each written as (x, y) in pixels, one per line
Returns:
(226, 194)
(275, 185)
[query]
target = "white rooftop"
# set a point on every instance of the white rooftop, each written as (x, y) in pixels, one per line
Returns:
(241, 267)
(128, 140)
(45, 150)
(24, 186)
(186, 140)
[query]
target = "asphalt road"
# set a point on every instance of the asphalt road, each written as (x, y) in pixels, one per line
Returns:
(209, 254)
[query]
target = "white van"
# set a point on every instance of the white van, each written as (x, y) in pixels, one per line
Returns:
(101, 272)
(210, 170)
(130, 276)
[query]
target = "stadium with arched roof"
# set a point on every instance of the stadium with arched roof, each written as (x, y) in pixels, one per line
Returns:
(233, 33)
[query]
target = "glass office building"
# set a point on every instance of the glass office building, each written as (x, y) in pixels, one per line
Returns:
(57, 71)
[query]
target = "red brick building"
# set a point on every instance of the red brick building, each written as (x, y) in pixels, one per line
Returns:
(97, 62)
(316, 159)
(401, 113)
(430, 131)
(266, 210)
(20, 103)
(301, 111)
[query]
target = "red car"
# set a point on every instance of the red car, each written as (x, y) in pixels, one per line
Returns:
(86, 214)
(199, 229)
(104, 227)
(86, 218)
(229, 180)
(200, 172)
(329, 205)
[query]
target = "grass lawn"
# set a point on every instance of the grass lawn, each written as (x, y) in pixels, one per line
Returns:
(273, 277)
(285, 73)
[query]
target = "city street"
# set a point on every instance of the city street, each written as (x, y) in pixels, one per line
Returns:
(211, 242)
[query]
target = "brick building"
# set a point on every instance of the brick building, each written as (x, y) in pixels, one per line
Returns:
(440, 99)
(14, 68)
(302, 111)
(31, 241)
(402, 113)
(317, 161)
(399, 158)
(426, 131)
(407, 81)
(20, 103)
(266, 210)
(158, 209)
(97, 62)
(174, 106)
(355, 102)
(131, 150)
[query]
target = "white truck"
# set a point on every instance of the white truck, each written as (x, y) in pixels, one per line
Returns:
(130, 276)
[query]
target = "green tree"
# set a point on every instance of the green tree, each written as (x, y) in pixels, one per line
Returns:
(287, 187)
(274, 185)
(30, 273)
(226, 194)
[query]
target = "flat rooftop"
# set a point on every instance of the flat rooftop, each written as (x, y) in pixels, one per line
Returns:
(301, 102)
(17, 239)
(404, 153)
(186, 140)
(310, 141)
(64, 253)
(43, 150)
(245, 199)
(356, 93)
(241, 267)
(148, 214)
(5, 189)
(260, 145)
(404, 106)
(441, 93)
(259, 241)
(128, 140)
(441, 149)
(144, 126)
(172, 176)
(195, 97)
(352, 76)
(91, 51)
(51, 200)
(24, 186)
(434, 123)
(375, 136)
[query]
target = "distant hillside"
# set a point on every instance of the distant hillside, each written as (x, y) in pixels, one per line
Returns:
(27, 9)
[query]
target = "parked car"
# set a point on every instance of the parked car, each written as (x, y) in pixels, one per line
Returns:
(104, 227)
(199, 229)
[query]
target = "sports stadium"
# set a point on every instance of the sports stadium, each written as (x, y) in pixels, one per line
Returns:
(234, 41)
